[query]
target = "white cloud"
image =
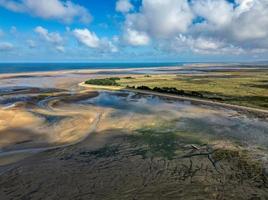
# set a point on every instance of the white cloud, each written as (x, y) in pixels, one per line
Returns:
(216, 12)
(244, 6)
(6, 46)
(200, 26)
(219, 25)
(64, 11)
(160, 18)
(52, 37)
(84, 36)
(244, 25)
(204, 45)
(252, 23)
(123, 6)
(91, 40)
(106, 44)
(136, 38)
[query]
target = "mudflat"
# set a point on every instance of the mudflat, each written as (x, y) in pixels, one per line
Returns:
(62, 141)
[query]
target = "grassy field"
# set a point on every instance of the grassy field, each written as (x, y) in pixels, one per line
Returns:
(247, 88)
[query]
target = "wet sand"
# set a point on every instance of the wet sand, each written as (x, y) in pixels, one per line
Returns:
(76, 143)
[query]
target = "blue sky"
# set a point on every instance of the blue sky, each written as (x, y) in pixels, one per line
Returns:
(133, 30)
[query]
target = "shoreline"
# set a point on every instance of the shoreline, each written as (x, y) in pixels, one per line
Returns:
(191, 66)
(86, 71)
(183, 98)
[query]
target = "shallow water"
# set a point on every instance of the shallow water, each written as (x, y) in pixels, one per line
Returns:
(205, 121)
(39, 67)
(91, 141)
(127, 111)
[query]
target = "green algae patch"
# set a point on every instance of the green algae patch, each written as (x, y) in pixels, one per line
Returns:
(243, 162)
(156, 143)
(162, 142)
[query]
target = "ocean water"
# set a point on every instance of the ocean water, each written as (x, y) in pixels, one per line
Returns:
(39, 67)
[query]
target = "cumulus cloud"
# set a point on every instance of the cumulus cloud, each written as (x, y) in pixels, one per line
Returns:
(202, 45)
(244, 6)
(84, 36)
(106, 44)
(64, 11)
(91, 40)
(136, 38)
(6, 46)
(218, 13)
(123, 6)
(252, 22)
(52, 37)
(243, 25)
(160, 18)
(200, 25)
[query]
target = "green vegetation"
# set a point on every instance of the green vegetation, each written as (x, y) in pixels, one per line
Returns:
(253, 169)
(167, 90)
(165, 143)
(128, 77)
(247, 88)
(162, 142)
(156, 143)
(105, 82)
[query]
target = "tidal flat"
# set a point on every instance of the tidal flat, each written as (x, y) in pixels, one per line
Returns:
(59, 140)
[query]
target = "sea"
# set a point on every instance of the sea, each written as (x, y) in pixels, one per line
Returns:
(40, 67)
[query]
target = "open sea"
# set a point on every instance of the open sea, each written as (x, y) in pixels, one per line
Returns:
(39, 67)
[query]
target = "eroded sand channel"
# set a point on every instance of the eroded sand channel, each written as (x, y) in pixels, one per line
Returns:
(129, 146)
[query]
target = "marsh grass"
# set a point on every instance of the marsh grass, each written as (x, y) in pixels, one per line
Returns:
(247, 88)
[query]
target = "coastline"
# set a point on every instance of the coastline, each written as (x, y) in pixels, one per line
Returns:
(129, 71)
(132, 135)
(86, 71)
(188, 66)
(257, 111)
